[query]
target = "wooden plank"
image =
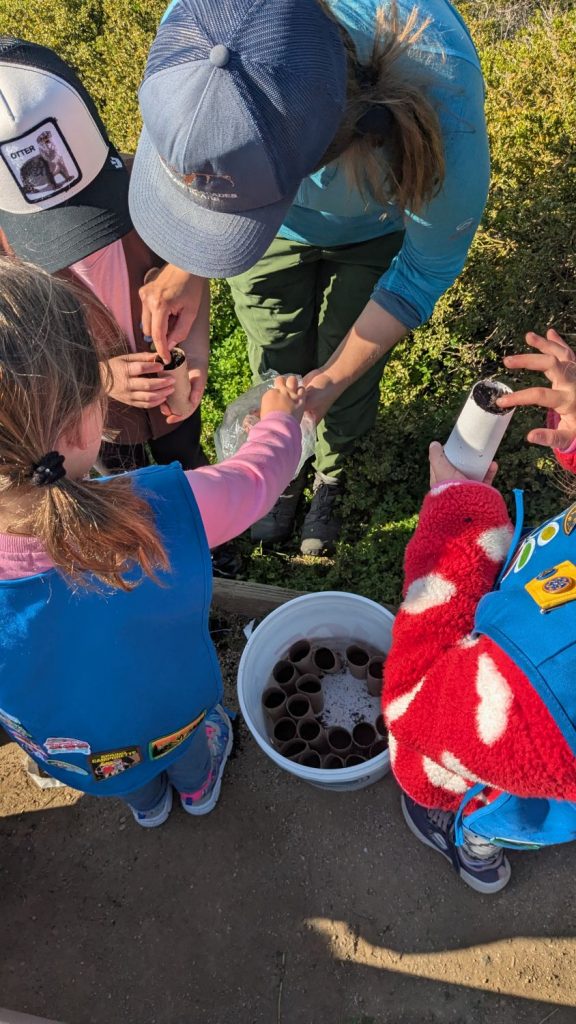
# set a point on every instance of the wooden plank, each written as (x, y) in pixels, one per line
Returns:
(241, 597)
(253, 600)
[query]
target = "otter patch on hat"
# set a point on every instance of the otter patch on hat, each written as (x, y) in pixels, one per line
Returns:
(41, 162)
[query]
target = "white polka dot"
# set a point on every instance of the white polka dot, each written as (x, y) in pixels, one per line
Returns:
(427, 592)
(440, 488)
(454, 764)
(469, 641)
(399, 706)
(392, 747)
(495, 701)
(442, 778)
(495, 542)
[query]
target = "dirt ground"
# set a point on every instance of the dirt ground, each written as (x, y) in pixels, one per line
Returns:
(287, 905)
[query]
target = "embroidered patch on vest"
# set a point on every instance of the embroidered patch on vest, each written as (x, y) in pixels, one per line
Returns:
(109, 763)
(13, 726)
(570, 519)
(67, 767)
(163, 745)
(41, 162)
(33, 749)
(553, 587)
(66, 745)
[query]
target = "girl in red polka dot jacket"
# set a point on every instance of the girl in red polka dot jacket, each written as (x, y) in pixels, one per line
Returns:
(479, 694)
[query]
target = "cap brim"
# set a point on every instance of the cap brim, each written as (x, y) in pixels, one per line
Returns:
(204, 242)
(54, 239)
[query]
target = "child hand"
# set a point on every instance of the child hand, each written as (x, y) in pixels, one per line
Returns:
(557, 362)
(286, 396)
(441, 470)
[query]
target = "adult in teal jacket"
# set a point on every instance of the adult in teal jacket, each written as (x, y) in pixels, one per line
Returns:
(332, 161)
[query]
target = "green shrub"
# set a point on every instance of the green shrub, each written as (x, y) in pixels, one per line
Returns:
(520, 274)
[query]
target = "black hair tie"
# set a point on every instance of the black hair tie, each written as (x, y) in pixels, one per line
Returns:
(48, 470)
(377, 120)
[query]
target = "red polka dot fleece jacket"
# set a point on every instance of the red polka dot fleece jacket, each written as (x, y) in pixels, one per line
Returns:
(458, 709)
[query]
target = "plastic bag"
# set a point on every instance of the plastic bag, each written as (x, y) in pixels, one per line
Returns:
(244, 412)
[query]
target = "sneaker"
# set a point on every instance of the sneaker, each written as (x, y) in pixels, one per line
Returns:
(158, 815)
(322, 524)
(219, 733)
(436, 829)
(277, 525)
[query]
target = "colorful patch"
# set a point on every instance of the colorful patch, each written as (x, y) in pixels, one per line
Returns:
(67, 767)
(12, 725)
(525, 554)
(547, 533)
(109, 763)
(65, 745)
(546, 573)
(33, 749)
(553, 587)
(163, 745)
(570, 519)
(41, 162)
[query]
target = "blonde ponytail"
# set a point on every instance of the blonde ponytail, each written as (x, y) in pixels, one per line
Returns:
(49, 375)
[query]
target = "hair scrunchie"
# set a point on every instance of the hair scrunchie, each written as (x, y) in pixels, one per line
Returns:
(48, 470)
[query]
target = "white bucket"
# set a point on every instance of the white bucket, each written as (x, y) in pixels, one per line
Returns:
(328, 614)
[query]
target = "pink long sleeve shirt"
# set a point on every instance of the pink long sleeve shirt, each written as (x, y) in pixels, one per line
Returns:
(230, 496)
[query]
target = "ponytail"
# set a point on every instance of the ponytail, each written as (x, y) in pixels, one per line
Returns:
(102, 529)
(389, 141)
(50, 375)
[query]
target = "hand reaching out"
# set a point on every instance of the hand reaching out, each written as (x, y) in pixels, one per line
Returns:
(557, 362)
(287, 395)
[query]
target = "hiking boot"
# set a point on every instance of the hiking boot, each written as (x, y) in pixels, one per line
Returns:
(220, 738)
(277, 525)
(322, 524)
(435, 828)
(226, 560)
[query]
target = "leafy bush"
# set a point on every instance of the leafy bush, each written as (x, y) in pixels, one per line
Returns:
(520, 274)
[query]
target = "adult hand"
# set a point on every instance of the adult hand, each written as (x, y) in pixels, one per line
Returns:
(130, 383)
(170, 301)
(442, 470)
(321, 393)
(287, 395)
(557, 362)
(375, 332)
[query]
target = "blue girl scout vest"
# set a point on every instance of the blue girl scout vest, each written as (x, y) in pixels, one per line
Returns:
(532, 616)
(105, 689)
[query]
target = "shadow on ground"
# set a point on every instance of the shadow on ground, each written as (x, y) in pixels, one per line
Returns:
(287, 905)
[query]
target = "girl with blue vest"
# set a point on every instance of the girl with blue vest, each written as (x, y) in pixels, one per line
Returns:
(479, 693)
(123, 559)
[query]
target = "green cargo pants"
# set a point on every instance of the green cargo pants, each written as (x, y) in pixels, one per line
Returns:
(296, 305)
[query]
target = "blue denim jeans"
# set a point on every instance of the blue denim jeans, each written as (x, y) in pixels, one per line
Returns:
(187, 774)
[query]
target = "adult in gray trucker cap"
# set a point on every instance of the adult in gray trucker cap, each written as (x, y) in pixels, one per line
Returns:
(332, 162)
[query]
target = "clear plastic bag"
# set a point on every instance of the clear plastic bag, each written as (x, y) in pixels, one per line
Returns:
(244, 412)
